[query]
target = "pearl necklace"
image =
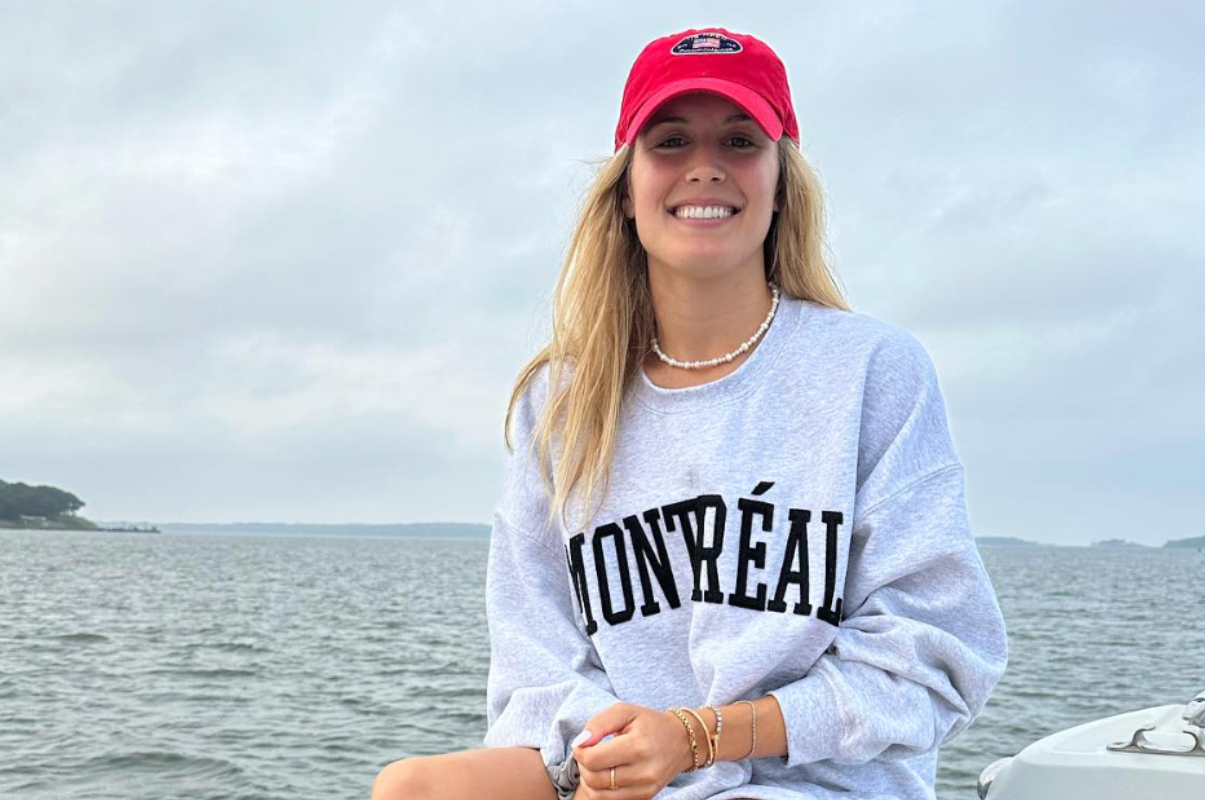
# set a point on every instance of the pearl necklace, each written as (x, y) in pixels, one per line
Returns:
(722, 359)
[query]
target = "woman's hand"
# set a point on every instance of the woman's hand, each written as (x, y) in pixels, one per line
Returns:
(648, 749)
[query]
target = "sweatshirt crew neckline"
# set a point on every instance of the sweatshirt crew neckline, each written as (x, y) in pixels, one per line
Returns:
(787, 319)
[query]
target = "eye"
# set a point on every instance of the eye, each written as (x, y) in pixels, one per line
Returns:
(748, 143)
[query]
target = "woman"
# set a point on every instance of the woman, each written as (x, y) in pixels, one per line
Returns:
(775, 593)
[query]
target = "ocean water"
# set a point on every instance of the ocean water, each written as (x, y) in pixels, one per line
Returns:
(292, 667)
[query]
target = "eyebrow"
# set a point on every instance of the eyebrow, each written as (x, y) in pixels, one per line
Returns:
(665, 120)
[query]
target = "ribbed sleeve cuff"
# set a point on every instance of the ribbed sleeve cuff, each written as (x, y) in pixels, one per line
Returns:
(814, 723)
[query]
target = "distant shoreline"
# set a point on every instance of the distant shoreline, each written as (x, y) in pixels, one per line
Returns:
(468, 531)
(51, 526)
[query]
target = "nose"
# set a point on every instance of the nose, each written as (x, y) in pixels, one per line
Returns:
(705, 167)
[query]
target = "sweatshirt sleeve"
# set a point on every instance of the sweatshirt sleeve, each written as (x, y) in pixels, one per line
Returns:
(545, 677)
(921, 643)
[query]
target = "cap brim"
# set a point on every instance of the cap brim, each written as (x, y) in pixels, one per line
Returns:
(750, 102)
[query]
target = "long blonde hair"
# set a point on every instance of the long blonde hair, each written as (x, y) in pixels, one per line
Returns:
(603, 322)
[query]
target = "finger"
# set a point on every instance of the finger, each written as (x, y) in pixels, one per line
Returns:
(606, 724)
(598, 785)
(601, 778)
(614, 751)
(610, 720)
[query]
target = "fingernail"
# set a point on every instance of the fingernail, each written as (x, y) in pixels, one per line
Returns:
(581, 737)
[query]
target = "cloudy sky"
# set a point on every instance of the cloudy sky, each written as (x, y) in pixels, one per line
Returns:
(281, 261)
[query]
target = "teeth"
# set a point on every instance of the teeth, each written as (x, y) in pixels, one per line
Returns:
(703, 212)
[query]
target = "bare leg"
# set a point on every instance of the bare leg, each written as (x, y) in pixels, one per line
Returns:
(500, 773)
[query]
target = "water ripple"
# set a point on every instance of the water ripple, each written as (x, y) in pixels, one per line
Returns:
(81, 638)
(178, 764)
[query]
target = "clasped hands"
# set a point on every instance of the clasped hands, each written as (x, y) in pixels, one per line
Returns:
(648, 749)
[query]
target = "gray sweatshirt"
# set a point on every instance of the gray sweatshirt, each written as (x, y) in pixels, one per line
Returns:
(797, 528)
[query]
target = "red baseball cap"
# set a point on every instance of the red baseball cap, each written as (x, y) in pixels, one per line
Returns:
(737, 66)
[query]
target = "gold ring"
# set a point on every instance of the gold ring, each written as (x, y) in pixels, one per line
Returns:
(613, 786)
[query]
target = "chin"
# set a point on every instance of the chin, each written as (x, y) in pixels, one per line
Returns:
(701, 262)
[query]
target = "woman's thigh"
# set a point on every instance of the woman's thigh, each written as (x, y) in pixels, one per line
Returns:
(504, 773)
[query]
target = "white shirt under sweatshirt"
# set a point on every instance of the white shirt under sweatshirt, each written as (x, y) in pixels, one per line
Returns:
(798, 528)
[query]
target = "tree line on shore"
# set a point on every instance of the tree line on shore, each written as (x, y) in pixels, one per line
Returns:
(20, 502)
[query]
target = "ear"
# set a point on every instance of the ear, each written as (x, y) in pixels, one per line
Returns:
(625, 193)
(629, 209)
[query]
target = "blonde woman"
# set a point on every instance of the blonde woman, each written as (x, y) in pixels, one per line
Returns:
(752, 574)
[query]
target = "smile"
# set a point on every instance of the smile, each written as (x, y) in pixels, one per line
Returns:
(703, 212)
(704, 216)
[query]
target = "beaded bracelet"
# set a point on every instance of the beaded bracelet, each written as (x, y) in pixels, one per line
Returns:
(752, 747)
(719, 726)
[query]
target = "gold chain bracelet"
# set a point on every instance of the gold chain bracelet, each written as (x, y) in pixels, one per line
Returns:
(694, 745)
(707, 734)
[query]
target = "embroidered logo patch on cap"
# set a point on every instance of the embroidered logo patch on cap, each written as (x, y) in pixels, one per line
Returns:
(706, 44)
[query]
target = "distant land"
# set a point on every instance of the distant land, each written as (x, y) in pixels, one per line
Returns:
(414, 530)
(1197, 542)
(49, 508)
(465, 530)
(473, 530)
(1007, 541)
(1194, 543)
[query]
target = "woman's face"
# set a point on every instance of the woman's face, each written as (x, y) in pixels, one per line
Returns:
(701, 150)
